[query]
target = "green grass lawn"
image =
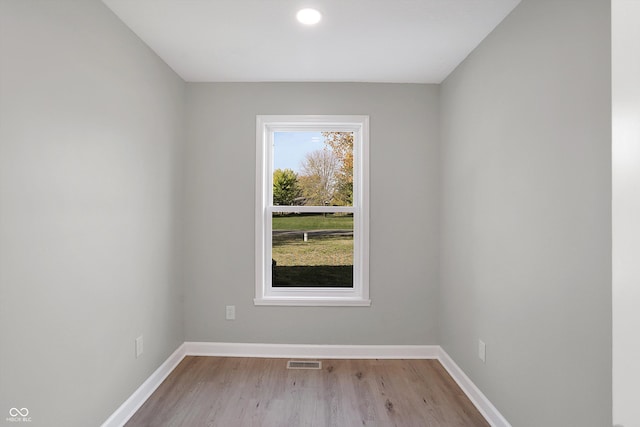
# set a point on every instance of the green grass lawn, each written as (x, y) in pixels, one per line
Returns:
(313, 222)
(325, 250)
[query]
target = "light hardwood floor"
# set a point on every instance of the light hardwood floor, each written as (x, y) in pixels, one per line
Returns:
(237, 392)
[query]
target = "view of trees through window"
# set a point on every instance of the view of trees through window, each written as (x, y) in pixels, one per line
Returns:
(312, 249)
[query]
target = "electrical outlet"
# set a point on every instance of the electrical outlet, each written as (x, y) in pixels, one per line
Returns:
(482, 351)
(231, 312)
(139, 346)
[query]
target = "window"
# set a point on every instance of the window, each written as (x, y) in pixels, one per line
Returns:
(312, 216)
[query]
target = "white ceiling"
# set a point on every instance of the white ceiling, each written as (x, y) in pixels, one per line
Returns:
(400, 41)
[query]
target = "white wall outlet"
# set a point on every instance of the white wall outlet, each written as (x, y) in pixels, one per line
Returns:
(139, 346)
(231, 312)
(482, 351)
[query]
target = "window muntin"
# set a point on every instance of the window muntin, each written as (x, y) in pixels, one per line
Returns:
(330, 208)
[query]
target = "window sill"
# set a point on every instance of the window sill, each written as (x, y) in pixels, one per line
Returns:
(314, 302)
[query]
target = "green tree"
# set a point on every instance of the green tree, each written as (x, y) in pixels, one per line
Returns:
(285, 187)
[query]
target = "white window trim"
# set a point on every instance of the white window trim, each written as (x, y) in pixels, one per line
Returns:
(265, 293)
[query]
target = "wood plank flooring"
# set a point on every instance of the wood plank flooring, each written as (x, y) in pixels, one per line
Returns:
(238, 392)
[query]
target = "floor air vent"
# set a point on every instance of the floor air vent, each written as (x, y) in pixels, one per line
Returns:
(304, 364)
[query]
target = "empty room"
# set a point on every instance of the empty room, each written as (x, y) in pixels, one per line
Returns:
(318, 213)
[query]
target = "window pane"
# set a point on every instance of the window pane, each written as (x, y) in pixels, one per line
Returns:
(313, 168)
(312, 250)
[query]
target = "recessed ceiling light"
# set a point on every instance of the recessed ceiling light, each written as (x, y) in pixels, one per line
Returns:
(308, 16)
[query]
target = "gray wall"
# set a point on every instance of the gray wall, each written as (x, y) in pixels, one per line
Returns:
(526, 214)
(626, 211)
(219, 239)
(90, 135)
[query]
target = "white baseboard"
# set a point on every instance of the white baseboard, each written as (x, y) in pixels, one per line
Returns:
(137, 399)
(486, 408)
(312, 351)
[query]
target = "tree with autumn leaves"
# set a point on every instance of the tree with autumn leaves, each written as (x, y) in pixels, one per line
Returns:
(341, 144)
